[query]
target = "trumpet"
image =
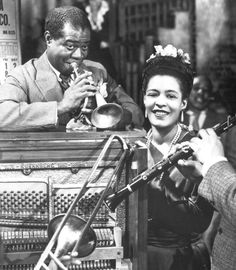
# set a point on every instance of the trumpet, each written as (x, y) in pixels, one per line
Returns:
(103, 115)
(73, 236)
(140, 180)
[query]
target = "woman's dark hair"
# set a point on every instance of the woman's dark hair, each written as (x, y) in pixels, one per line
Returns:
(176, 65)
(57, 17)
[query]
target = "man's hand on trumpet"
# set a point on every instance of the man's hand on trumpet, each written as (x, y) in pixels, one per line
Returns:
(79, 89)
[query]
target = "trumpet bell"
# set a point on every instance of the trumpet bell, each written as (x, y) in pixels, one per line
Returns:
(70, 233)
(107, 115)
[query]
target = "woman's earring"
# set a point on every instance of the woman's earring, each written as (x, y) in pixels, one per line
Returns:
(145, 113)
(182, 116)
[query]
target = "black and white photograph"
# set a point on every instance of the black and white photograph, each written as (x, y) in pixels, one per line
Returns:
(117, 135)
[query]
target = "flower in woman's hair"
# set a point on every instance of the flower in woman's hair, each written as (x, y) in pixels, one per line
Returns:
(171, 51)
(186, 58)
(151, 57)
(158, 49)
(180, 52)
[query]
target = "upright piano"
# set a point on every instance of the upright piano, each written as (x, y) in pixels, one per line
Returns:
(41, 173)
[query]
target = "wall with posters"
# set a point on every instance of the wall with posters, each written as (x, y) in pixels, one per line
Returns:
(10, 55)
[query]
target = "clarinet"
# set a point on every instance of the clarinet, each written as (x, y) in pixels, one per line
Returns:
(113, 200)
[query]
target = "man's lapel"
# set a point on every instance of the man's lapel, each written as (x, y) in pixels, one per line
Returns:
(47, 81)
(211, 119)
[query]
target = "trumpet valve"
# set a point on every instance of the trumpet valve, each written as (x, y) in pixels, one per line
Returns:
(89, 105)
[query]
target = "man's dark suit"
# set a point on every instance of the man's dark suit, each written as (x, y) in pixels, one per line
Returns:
(212, 118)
(219, 187)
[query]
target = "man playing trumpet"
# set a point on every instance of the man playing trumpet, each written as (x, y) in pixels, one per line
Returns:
(41, 94)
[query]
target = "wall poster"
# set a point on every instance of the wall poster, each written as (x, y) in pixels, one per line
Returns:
(10, 52)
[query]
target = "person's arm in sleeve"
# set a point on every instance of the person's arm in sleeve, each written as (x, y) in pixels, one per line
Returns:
(219, 187)
(18, 114)
(230, 146)
(23, 106)
(219, 177)
(132, 113)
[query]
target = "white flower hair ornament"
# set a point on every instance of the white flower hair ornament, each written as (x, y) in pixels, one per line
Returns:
(169, 60)
(170, 51)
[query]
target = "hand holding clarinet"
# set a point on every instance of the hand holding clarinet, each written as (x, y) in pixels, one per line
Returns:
(204, 150)
(208, 150)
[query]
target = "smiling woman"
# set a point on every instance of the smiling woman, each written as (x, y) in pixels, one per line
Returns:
(163, 100)
(175, 213)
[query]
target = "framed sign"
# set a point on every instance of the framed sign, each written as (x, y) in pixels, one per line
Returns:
(10, 52)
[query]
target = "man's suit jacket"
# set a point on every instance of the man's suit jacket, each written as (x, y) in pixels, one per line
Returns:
(230, 146)
(212, 118)
(219, 187)
(28, 98)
